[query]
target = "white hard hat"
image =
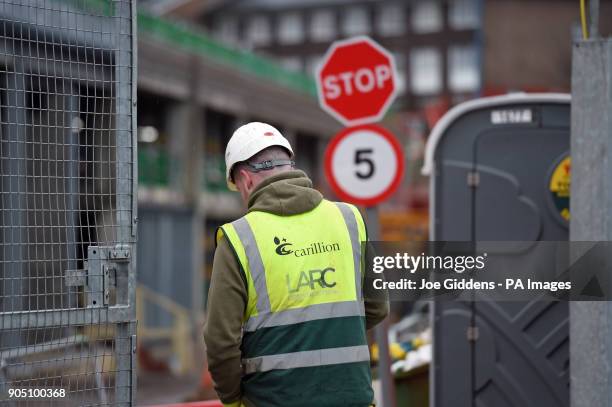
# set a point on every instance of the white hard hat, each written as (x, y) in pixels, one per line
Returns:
(249, 140)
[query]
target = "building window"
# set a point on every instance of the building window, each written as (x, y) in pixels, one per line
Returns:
(463, 14)
(227, 30)
(290, 28)
(426, 17)
(258, 31)
(425, 71)
(391, 19)
(463, 69)
(322, 26)
(355, 21)
(400, 66)
(292, 63)
(312, 64)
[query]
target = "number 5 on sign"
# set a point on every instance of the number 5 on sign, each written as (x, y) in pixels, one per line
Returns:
(360, 158)
(364, 165)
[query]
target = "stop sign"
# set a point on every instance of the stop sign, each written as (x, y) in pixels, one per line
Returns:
(356, 82)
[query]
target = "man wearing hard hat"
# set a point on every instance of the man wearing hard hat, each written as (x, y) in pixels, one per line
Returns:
(287, 316)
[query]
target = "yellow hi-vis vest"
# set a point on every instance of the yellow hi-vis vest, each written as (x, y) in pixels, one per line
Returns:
(304, 338)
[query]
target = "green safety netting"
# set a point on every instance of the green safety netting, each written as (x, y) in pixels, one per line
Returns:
(191, 39)
(195, 40)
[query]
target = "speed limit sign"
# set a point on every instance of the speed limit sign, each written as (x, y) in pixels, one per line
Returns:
(364, 164)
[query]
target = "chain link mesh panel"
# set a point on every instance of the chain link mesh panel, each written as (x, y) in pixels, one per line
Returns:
(67, 205)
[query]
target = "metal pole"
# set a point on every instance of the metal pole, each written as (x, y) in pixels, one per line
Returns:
(594, 19)
(381, 332)
(591, 220)
(125, 109)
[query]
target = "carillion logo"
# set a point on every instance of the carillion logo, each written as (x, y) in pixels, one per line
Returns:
(283, 248)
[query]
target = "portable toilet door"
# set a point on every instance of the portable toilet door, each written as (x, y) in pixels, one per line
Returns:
(491, 163)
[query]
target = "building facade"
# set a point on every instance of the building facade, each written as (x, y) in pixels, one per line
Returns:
(435, 43)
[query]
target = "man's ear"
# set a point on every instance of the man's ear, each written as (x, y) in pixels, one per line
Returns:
(247, 178)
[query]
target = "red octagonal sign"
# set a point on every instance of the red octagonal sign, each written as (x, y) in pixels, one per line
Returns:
(356, 81)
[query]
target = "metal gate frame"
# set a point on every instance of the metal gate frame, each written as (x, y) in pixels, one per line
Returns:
(106, 268)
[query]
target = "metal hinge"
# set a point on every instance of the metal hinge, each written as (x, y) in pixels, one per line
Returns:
(133, 369)
(472, 333)
(109, 280)
(473, 179)
(99, 276)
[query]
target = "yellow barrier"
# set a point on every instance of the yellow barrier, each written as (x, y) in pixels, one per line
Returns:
(179, 333)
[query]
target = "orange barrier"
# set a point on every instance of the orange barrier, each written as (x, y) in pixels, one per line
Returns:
(206, 381)
(213, 403)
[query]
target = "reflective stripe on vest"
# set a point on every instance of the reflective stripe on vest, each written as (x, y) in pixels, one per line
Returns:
(320, 357)
(351, 225)
(256, 266)
(310, 313)
(265, 318)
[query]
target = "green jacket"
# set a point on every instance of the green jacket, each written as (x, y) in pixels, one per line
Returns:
(287, 193)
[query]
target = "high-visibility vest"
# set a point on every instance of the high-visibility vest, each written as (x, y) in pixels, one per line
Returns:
(304, 337)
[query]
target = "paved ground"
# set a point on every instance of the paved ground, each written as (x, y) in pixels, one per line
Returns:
(163, 388)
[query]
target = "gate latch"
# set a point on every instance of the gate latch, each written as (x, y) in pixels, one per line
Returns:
(104, 274)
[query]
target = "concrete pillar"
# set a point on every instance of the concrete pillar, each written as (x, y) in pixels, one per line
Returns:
(591, 216)
(186, 130)
(195, 181)
(185, 127)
